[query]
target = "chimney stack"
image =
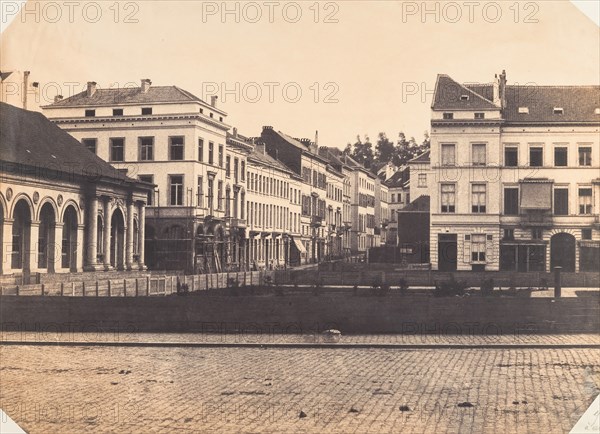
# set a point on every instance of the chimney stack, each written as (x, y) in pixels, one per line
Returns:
(58, 98)
(234, 134)
(146, 82)
(500, 90)
(213, 100)
(317, 137)
(91, 88)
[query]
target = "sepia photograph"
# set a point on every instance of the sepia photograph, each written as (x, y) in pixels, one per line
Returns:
(310, 216)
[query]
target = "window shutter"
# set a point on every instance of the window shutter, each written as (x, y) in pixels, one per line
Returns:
(489, 248)
(467, 249)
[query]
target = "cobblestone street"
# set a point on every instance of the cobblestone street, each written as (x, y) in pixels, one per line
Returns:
(205, 390)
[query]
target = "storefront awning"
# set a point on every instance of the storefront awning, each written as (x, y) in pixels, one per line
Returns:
(536, 195)
(299, 245)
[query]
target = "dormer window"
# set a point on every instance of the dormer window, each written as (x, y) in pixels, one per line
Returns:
(117, 112)
(90, 113)
(146, 110)
(448, 115)
(524, 110)
(558, 111)
(479, 115)
(464, 97)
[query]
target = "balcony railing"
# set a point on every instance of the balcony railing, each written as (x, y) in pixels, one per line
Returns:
(316, 220)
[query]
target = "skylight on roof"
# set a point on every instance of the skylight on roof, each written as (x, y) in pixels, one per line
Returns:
(464, 97)
(558, 111)
(524, 110)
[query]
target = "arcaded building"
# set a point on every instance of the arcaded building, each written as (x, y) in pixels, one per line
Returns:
(62, 208)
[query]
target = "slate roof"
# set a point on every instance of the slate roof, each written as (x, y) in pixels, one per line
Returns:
(134, 95)
(267, 160)
(579, 102)
(422, 158)
(448, 92)
(399, 179)
(30, 139)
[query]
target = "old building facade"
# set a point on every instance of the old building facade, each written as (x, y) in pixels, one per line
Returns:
(64, 209)
(515, 173)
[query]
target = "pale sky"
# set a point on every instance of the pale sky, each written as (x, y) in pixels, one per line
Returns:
(377, 59)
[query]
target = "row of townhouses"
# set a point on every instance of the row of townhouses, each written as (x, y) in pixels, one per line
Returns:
(225, 201)
(511, 182)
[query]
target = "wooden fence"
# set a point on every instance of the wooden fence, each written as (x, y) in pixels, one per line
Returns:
(139, 286)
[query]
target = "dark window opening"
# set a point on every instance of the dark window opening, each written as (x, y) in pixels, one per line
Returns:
(146, 110)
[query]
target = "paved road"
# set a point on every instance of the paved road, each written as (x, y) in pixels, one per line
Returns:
(251, 390)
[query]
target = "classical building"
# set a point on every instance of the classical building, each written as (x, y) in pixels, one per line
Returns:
(166, 136)
(382, 212)
(63, 209)
(515, 176)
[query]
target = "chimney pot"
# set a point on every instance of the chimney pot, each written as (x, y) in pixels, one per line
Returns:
(235, 132)
(213, 100)
(145, 86)
(91, 88)
(57, 98)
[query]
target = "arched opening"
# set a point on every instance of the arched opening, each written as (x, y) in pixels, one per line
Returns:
(46, 241)
(69, 239)
(150, 246)
(100, 239)
(21, 236)
(117, 240)
(562, 251)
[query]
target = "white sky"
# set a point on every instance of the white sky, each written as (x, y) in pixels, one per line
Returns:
(380, 58)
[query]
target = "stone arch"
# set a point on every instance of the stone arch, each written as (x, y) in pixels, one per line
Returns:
(72, 203)
(47, 248)
(563, 248)
(117, 239)
(27, 199)
(22, 213)
(70, 219)
(559, 231)
(44, 201)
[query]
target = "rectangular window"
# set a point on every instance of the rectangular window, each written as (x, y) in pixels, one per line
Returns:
(448, 155)
(561, 201)
(220, 155)
(536, 156)
(146, 148)
(90, 113)
(585, 156)
(90, 144)
(586, 234)
(117, 112)
(479, 157)
(228, 166)
(509, 234)
(422, 180)
(537, 233)
(511, 156)
(210, 194)
(201, 150)
(478, 198)
(585, 201)
(448, 115)
(243, 171)
(176, 148)
(236, 171)
(146, 110)
(448, 198)
(149, 179)
(511, 201)
(560, 156)
(200, 192)
(479, 115)
(211, 153)
(478, 248)
(175, 190)
(220, 195)
(117, 149)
